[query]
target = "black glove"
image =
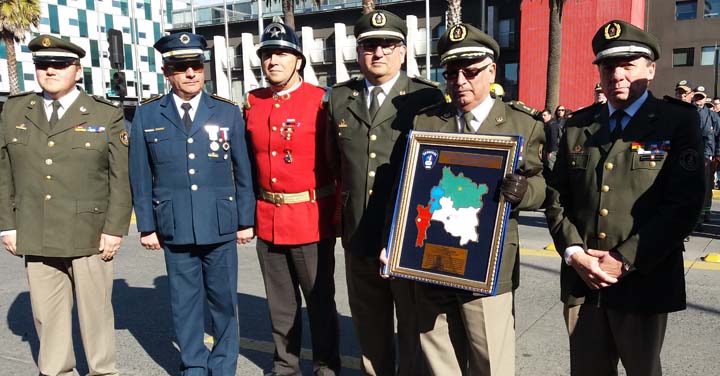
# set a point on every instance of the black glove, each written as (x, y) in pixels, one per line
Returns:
(515, 185)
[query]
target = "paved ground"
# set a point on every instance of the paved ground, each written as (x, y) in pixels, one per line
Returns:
(145, 338)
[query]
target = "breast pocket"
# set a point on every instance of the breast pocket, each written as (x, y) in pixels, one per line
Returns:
(578, 162)
(90, 142)
(160, 146)
(19, 139)
(645, 163)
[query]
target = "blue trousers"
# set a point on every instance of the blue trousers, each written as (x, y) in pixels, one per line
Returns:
(199, 274)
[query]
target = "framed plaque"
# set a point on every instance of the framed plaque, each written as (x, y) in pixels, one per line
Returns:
(450, 218)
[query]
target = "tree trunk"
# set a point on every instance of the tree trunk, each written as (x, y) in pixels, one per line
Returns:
(552, 86)
(368, 6)
(288, 7)
(454, 13)
(11, 64)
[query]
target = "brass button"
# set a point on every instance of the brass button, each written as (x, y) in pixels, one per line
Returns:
(605, 188)
(603, 212)
(273, 180)
(225, 156)
(191, 171)
(50, 143)
(572, 163)
(653, 164)
(96, 210)
(48, 162)
(373, 155)
(370, 192)
(609, 166)
(276, 105)
(87, 144)
(602, 235)
(274, 128)
(373, 137)
(48, 177)
(230, 198)
(191, 155)
(371, 174)
(15, 139)
(155, 140)
(273, 153)
(47, 197)
(190, 140)
(194, 187)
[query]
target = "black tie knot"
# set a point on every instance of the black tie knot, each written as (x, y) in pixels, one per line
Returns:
(186, 106)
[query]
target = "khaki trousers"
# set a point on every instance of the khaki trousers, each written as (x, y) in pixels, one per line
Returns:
(462, 334)
(600, 336)
(374, 303)
(52, 281)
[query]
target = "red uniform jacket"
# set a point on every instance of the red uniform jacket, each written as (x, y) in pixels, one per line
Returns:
(291, 165)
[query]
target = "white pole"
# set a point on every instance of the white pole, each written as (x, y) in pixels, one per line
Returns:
(192, 15)
(136, 58)
(260, 31)
(102, 52)
(227, 50)
(427, 39)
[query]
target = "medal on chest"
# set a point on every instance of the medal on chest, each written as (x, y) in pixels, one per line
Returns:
(286, 132)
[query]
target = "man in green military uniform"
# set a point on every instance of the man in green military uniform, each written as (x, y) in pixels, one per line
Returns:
(460, 332)
(368, 122)
(626, 189)
(65, 205)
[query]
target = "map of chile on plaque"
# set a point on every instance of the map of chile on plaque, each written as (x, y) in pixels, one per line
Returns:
(452, 212)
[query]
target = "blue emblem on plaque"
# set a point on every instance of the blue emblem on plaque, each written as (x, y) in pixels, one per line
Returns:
(429, 157)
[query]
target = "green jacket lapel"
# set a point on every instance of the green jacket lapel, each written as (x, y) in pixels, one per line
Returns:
(36, 114)
(357, 103)
(393, 101)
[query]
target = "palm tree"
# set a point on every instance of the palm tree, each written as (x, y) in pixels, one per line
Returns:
(454, 13)
(16, 19)
(368, 6)
(552, 86)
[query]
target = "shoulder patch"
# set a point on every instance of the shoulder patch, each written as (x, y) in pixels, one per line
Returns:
(223, 99)
(520, 106)
(24, 93)
(674, 100)
(103, 100)
(153, 98)
(346, 82)
(425, 81)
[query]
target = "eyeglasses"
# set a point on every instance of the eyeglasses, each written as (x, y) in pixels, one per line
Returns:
(54, 65)
(468, 73)
(197, 66)
(387, 47)
(561, 110)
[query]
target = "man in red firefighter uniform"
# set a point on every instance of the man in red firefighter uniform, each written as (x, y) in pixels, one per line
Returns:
(295, 206)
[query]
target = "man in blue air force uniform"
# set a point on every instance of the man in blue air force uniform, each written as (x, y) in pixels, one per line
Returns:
(192, 190)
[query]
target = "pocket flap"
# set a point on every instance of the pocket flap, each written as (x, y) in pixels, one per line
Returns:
(91, 206)
(578, 161)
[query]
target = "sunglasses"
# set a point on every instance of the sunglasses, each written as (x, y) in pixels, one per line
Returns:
(182, 67)
(53, 65)
(387, 47)
(468, 73)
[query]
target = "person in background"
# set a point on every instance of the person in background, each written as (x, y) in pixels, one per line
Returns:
(598, 95)
(552, 137)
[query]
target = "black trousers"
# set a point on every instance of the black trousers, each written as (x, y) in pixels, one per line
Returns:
(287, 270)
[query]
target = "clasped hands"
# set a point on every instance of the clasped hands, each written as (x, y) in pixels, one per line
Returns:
(597, 268)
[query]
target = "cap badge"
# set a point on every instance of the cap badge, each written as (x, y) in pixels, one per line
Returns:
(83, 109)
(275, 31)
(700, 89)
(185, 39)
(683, 82)
(379, 20)
(46, 42)
(458, 33)
(612, 30)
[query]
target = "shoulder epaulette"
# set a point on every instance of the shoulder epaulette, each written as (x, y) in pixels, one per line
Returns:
(223, 99)
(520, 106)
(346, 82)
(326, 96)
(153, 98)
(425, 81)
(246, 99)
(674, 100)
(21, 94)
(103, 100)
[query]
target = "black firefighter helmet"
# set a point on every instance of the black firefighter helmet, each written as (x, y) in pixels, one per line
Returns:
(278, 36)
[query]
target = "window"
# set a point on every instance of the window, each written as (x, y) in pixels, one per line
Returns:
(126, 30)
(142, 35)
(712, 8)
(686, 10)
(683, 57)
(144, 59)
(707, 57)
(506, 33)
(29, 77)
(24, 48)
(73, 22)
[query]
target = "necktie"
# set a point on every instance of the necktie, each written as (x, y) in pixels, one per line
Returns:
(54, 117)
(467, 118)
(186, 116)
(374, 102)
(617, 117)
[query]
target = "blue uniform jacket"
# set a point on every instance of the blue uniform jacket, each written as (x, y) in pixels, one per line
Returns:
(187, 187)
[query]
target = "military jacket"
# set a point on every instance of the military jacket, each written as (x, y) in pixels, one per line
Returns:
(191, 187)
(639, 196)
(61, 188)
(286, 135)
(708, 128)
(366, 154)
(503, 119)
